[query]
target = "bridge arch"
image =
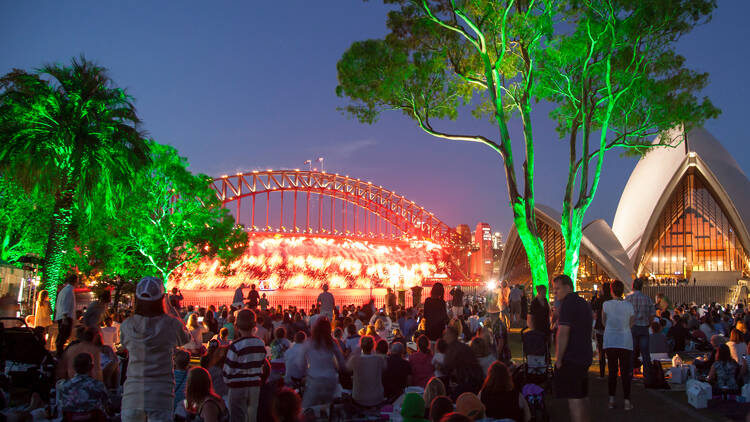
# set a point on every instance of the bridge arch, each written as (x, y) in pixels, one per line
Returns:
(408, 217)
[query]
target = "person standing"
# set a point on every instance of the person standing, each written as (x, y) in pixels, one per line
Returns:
(597, 306)
(573, 349)
(326, 302)
(175, 299)
(263, 302)
(243, 368)
(416, 296)
(323, 359)
(503, 303)
(253, 297)
(435, 314)
(239, 297)
(457, 301)
(42, 311)
(150, 336)
(65, 312)
(538, 317)
(644, 314)
(514, 298)
(390, 303)
(617, 318)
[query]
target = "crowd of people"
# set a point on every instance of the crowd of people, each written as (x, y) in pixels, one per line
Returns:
(444, 359)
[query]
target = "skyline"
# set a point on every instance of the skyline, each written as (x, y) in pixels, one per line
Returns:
(234, 89)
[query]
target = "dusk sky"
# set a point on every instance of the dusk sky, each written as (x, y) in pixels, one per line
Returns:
(250, 85)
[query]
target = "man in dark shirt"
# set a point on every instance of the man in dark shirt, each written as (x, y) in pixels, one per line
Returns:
(253, 297)
(573, 351)
(538, 318)
(397, 372)
(461, 365)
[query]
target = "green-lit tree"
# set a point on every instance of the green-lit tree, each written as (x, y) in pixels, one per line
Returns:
(607, 66)
(68, 131)
(24, 220)
(172, 218)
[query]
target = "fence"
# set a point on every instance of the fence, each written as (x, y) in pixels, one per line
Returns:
(687, 294)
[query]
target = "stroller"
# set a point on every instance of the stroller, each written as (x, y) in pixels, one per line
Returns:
(535, 372)
(24, 358)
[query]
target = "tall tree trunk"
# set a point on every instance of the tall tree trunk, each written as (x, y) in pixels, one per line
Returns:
(532, 244)
(56, 242)
(572, 231)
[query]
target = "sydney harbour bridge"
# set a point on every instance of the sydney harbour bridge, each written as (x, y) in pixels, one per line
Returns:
(306, 228)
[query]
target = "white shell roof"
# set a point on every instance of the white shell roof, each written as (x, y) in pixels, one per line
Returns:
(657, 173)
(598, 240)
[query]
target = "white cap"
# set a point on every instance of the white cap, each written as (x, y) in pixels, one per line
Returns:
(149, 289)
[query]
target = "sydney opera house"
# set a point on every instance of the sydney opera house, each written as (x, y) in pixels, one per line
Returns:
(684, 214)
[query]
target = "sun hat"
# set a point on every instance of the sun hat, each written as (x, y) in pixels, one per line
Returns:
(149, 289)
(469, 404)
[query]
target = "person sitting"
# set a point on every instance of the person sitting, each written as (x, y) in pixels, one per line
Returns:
(439, 407)
(412, 408)
(500, 399)
(723, 373)
(223, 337)
(434, 388)
(351, 344)
(397, 372)
(287, 406)
(657, 341)
(469, 405)
(280, 344)
(295, 372)
(461, 364)
(83, 394)
(196, 330)
(201, 398)
(367, 369)
(421, 362)
(482, 351)
(737, 347)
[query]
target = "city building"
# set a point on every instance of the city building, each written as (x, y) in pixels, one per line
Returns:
(482, 258)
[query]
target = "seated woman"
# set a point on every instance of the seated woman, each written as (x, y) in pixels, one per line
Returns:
(723, 373)
(737, 347)
(499, 397)
(201, 398)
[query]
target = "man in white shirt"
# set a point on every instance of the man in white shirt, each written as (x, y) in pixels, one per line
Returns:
(326, 302)
(65, 312)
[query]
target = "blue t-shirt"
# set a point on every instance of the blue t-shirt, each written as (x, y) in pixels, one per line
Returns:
(576, 313)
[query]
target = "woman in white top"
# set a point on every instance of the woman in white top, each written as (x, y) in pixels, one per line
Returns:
(196, 330)
(737, 347)
(618, 316)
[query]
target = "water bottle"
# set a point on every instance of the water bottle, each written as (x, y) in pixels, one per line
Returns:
(52, 408)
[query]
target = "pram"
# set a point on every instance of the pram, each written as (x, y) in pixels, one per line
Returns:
(24, 358)
(537, 362)
(535, 372)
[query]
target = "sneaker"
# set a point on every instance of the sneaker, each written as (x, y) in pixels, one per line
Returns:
(611, 404)
(628, 405)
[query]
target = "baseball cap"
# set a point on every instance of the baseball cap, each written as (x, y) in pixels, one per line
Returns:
(149, 289)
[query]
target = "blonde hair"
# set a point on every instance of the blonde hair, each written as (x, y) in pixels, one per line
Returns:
(379, 325)
(192, 322)
(432, 389)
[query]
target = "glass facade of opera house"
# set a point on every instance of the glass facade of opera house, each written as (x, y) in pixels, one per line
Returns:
(692, 233)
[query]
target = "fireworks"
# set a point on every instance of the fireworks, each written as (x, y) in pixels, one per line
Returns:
(300, 261)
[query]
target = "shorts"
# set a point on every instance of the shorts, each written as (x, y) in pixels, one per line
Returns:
(572, 381)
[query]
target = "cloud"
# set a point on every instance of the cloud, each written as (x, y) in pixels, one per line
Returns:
(347, 149)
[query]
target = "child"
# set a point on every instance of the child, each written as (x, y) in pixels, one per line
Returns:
(438, 360)
(181, 362)
(279, 345)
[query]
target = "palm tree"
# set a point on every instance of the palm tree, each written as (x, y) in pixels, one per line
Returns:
(70, 132)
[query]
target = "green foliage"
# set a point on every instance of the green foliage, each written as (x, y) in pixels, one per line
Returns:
(172, 218)
(24, 221)
(69, 132)
(607, 66)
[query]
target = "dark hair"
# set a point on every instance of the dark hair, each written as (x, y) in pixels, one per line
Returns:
(423, 344)
(498, 380)
(638, 283)
(71, 278)
(607, 290)
(618, 287)
(455, 417)
(104, 296)
(199, 387)
(245, 320)
(565, 280)
(441, 346)
(382, 347)
(655, 326)
(366, 343)
(351, 329)
(321, 334)
(541, 289)
(83, 362)
(223, 332)
(286, 406)
(440, 406)
(723, 354)
(181, 359)
(280, 332)
(149, 308)
(438, 291)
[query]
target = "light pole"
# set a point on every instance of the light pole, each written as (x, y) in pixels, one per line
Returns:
(320, 160)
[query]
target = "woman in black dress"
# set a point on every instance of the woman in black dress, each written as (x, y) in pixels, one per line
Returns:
(435, 312)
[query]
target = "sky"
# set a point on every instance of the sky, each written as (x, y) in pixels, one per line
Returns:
(238, 86)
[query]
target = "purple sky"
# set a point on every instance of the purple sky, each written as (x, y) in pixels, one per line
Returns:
(250, 85)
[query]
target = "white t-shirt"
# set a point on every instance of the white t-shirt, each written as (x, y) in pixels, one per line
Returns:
(617, 332)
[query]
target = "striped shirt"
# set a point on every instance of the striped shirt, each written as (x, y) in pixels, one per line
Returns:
(244, 363)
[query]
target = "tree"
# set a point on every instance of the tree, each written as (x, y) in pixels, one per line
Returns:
(24, 220)
(607, 66)
(172, 218)
(68, 131)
